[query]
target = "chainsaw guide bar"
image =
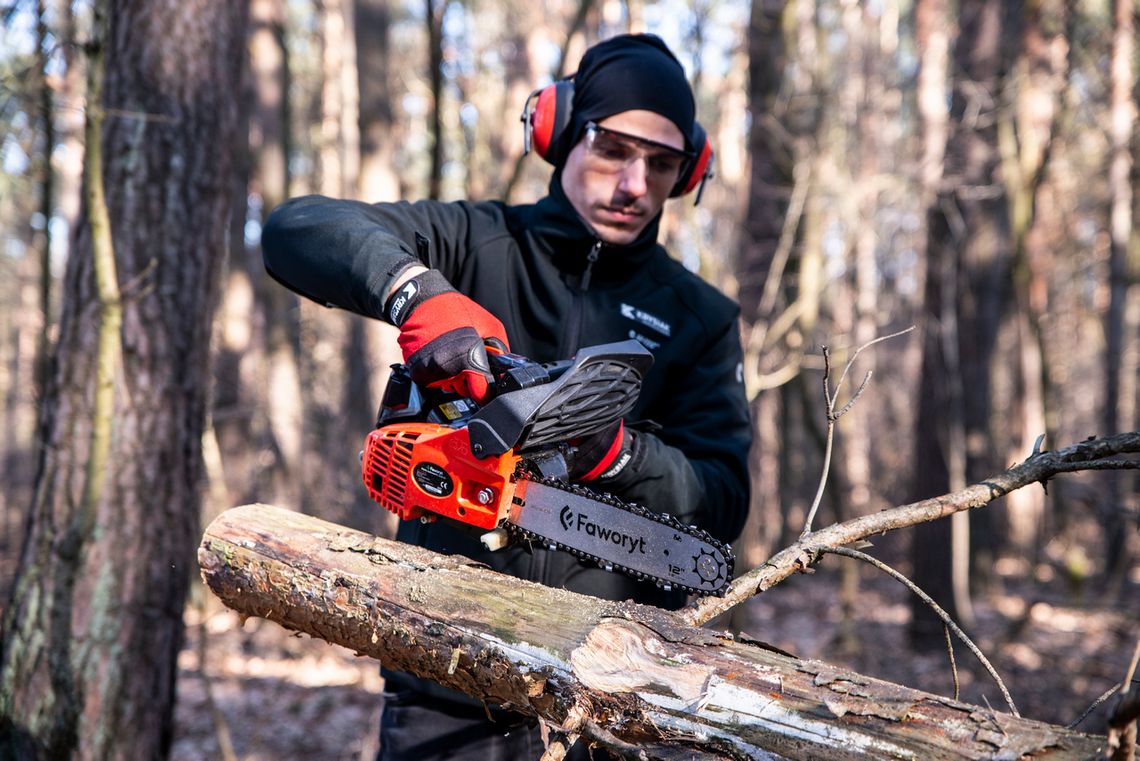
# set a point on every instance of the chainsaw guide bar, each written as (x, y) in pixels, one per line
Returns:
(619, 536)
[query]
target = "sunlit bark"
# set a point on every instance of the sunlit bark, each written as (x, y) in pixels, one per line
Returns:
(84, 673)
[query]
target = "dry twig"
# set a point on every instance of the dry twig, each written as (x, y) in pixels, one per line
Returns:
(953, 663)
(1095, 704)
(832, 416)
(946, 620)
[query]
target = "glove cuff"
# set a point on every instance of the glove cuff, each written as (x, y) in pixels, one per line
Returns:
(615, 458)
(412, 293)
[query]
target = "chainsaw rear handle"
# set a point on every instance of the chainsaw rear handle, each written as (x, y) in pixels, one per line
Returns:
(405, 400)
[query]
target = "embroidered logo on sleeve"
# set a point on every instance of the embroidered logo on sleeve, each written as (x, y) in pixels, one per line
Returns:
(407, 293)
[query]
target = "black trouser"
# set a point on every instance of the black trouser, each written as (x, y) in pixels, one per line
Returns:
(419, 727)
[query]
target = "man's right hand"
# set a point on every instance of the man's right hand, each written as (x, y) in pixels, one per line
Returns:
(442, 334)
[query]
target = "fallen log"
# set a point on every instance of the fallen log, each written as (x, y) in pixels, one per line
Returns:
(627, 676)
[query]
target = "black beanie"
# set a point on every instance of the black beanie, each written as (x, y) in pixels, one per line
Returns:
(628, 72)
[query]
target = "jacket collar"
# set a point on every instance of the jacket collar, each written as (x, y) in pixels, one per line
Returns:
(570, 239)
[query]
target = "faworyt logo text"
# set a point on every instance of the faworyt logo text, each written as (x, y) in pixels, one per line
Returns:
(582, 523)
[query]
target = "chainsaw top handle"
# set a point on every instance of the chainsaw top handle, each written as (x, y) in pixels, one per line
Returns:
(542, 404)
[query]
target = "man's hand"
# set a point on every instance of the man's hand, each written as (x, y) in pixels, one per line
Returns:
(442, 334)
(601, 455)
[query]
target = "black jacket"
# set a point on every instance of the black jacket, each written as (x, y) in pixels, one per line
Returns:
(529, 266)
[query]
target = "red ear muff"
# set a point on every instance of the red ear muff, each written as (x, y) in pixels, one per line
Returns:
(545, 122)
(702, 167)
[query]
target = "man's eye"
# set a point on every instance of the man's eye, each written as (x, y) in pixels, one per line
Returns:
(612, 149)
(665, 164)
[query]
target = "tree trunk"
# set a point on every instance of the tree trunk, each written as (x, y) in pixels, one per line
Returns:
(377, 75)
(573, 42)
(931, 542)
(380, 138)
(434, 12)
(771, 176)
(47, 199)
(1122, 118)
(619, 674)
(340, 96)
(1026, 133)
(258, 396)
(768, 191)
(88, 660)
(968, 265)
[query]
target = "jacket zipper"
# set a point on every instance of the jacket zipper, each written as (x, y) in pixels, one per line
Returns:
(574, 323)
(540, 561)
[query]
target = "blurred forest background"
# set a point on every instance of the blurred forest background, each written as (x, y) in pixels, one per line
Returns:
(965, 167)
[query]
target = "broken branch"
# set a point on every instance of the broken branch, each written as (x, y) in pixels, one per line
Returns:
(1087, 455)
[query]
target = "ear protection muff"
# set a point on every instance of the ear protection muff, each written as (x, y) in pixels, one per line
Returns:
(546, 117)
(701, 169)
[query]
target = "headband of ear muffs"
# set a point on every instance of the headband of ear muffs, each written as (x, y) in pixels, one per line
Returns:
(546, 118)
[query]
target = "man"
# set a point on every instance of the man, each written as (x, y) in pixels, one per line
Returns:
(580, 267)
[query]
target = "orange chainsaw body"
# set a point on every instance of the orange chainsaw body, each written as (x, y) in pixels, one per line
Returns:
(427, 470)
(500, 469)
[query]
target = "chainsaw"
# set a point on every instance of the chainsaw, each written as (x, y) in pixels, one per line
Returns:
(499, 469)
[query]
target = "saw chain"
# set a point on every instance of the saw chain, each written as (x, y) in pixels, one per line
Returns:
(618, 536)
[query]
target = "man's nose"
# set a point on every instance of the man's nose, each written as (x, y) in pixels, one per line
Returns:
(635, 177)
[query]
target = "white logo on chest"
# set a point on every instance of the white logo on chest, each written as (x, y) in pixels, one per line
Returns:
(653, 322)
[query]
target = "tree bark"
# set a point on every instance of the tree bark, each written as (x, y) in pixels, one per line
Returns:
(620, 674)
(378, 70)
(764, 247)
(47, 198)
(340, 98)
(1123, 117)
(433, 17)
(88, 657)
(968, 267)
(1026, 133)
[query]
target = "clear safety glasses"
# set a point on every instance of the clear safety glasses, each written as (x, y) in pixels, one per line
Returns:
(613, 151)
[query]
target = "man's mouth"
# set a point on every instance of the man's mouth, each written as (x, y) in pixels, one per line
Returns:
(622, 213)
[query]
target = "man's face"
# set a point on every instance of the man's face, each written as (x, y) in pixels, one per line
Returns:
(621, 172)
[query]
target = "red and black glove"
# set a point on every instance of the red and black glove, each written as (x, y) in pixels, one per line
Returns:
(601, 455)
(442, 335)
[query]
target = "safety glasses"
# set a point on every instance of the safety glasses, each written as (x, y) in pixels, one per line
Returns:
(613, 151)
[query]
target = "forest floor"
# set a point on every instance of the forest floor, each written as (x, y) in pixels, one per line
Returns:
(1058, 647)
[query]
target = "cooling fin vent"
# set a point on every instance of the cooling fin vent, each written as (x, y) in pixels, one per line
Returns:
(387, 463)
